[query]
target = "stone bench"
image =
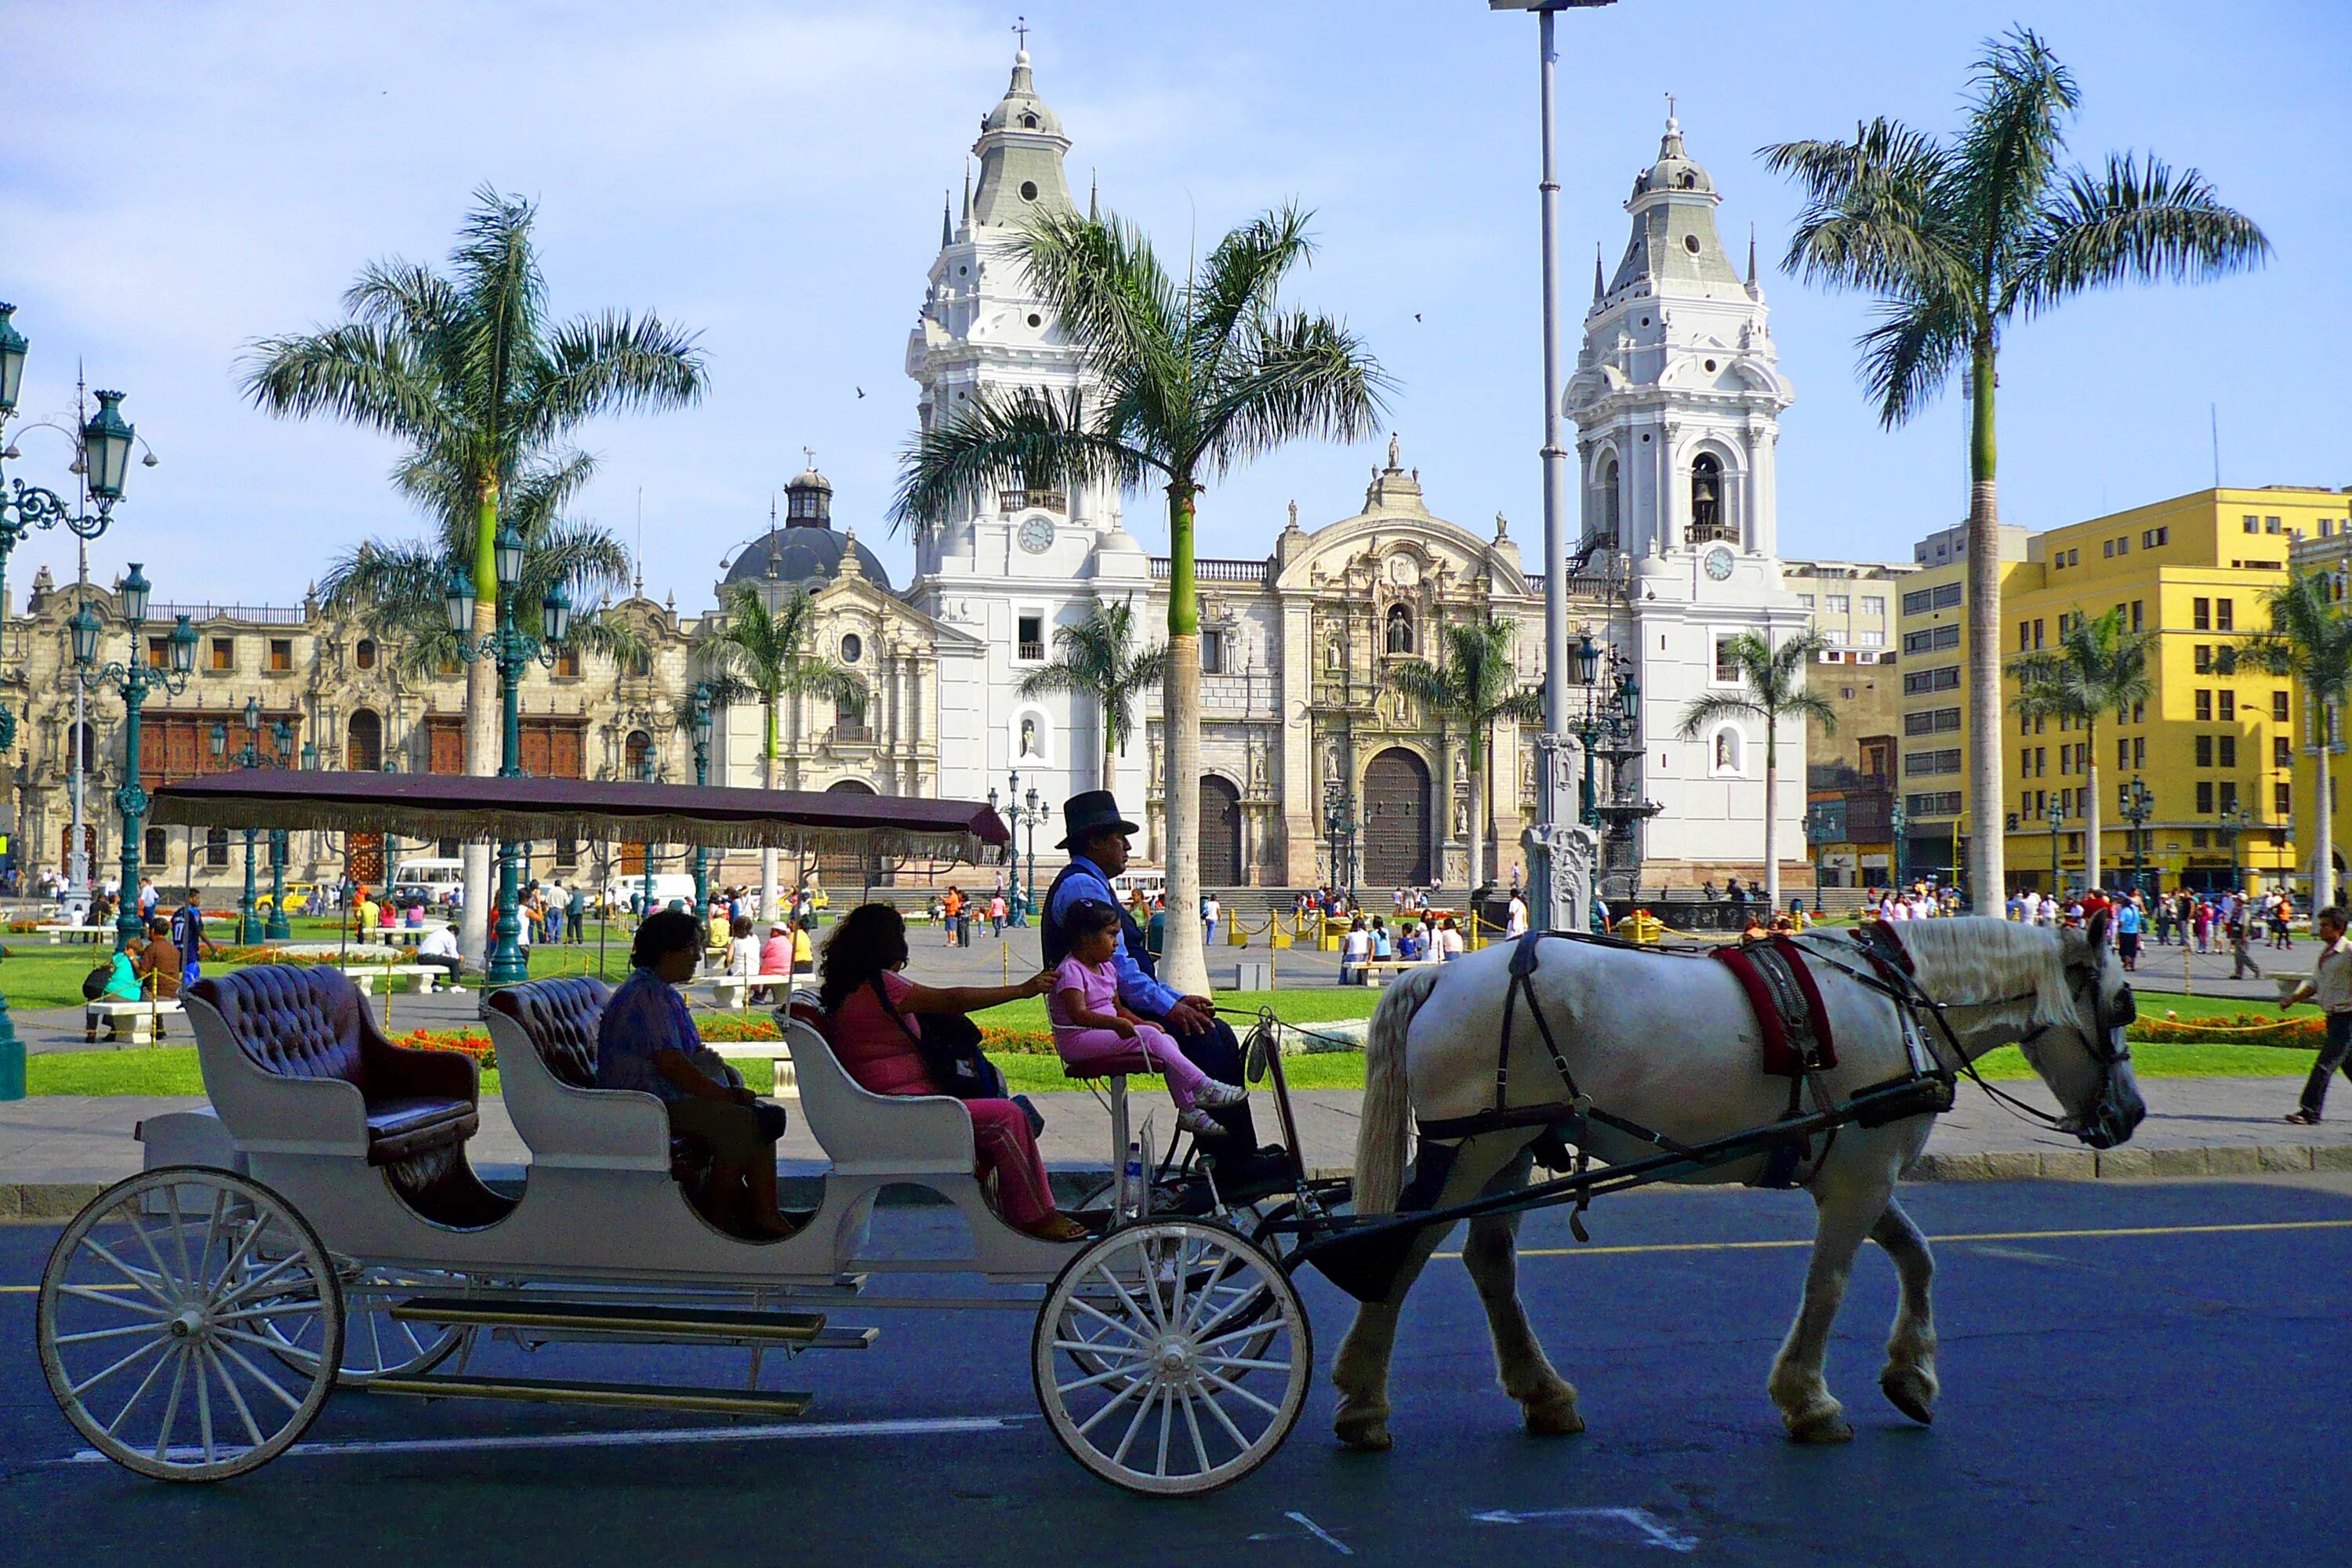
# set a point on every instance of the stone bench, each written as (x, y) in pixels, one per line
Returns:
(775, 1052)
(1376, 972)
(727, 991)
(427, 976)
(146, 1019)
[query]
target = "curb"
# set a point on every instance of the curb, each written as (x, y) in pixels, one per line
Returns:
(63, 1200)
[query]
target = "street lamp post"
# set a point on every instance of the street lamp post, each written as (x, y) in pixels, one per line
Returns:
(513, 649)
(136, 676)
(2139, 804)
(2057, 818)
(702, 778)
(249, 927)
(1021, 810)
(1551, 834)
(2235, 819)
(1898, 824)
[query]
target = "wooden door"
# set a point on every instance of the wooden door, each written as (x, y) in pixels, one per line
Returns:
(1220, 834)
(1396, 826)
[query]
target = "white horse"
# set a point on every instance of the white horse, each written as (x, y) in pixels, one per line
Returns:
(1672, 1044)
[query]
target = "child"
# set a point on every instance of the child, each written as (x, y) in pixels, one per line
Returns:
(1093, 1032)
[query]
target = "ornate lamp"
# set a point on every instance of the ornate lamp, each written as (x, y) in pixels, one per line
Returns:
(457, 600)
(1587, 655)
(509, 553)
(555, 614)
(134, 591)
(84, 628)
(106, 447)
(12, 361)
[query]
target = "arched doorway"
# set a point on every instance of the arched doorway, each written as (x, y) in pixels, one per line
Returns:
(363, 741)
(848, 866)
(1396, 820)
(1221, 832)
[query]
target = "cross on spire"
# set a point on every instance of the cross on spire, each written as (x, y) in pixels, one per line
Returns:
(1021, 28)
(810, 453)
(1670, 107)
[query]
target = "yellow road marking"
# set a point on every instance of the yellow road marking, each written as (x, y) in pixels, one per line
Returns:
(1960, 1236)
(29, 1289)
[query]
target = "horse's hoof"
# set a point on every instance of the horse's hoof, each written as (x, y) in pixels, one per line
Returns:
(1829, 1426)
(1910, 1389)
(1554, 1417)
(1364, 1434)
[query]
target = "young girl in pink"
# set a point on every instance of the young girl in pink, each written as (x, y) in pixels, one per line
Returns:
(1094, 1033)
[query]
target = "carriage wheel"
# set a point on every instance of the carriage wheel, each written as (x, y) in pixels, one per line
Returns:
(1143, 1347)
(162, 1313)
(375, 1343)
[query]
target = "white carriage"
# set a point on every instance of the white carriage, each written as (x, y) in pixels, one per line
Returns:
(320, 1225)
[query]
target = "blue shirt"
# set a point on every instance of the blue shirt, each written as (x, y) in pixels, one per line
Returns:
(1137, 989)
(2127, 920)
(646, 1015)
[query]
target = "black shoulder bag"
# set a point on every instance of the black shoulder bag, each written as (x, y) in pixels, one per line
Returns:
(948, 1044)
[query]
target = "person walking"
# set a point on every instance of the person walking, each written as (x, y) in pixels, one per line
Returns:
(2127, 927)
(2330, 985)
(2241, 954)
(1211, 912)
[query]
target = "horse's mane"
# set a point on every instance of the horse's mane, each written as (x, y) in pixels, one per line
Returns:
(1975, 961)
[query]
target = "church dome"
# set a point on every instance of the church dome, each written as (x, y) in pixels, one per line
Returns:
(806, 556)
(1674, 170)
(1021, 109)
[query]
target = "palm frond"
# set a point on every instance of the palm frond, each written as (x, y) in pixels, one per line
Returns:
(1000, 442)
(1106, 287)
(1909, 356)
(1701, 712)
(616, 363)
(363, 375)
(1238, 283)
(2132, 221)
(1292, 377)
(2009, 150)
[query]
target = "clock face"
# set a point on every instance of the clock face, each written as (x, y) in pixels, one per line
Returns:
(1719, 563)
(1037, 536)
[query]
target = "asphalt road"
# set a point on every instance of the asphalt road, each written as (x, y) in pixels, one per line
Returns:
(2179, 1394)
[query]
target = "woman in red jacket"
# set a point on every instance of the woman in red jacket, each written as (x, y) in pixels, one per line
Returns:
(873, 1009)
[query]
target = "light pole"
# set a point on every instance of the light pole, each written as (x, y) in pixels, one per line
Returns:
(1021, 812)
(1552, 833)
(1898, 824)
(2139, 804)
(136, 676)
(702, 779)
(514, 649)
(1033, 815)
(249, 927)
(2057, 818)
(2235, 819)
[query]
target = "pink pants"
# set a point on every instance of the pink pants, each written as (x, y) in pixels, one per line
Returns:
(1101, 1052)
(1001, 1137)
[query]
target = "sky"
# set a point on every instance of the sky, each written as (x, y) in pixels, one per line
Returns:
(193, 176)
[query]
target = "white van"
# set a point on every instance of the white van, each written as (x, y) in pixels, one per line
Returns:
(431, 882)
(1145, 879)
(668, 885)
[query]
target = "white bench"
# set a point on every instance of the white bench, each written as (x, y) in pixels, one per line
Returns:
(727, 991)
(427, 976)
(1376, 971)
(146, 1021)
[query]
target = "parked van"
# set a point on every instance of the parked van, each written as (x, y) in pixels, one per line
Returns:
(432, 881)
(1145, 879)
(668, 885)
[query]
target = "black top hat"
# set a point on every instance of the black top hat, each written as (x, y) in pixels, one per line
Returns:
(1090, 810)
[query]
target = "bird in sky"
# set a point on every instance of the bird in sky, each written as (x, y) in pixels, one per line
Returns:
(861, 392)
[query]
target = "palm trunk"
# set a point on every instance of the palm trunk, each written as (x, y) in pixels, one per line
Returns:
(2323, 862)
(768, 905)
(1477, 828)
(2091, 806)
(1771, 815)
(1109, 758)
(1986, 872)
(1183, 961)
(482, 757)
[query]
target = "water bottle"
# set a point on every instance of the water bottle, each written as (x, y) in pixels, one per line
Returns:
(1130, 1181)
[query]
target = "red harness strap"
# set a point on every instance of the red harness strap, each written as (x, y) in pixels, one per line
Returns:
(1786, 1053)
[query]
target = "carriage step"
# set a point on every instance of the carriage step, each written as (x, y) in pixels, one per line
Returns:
(554, 1320)
(629, 1395)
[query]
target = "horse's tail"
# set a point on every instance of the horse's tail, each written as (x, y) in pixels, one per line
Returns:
(1381, 1135)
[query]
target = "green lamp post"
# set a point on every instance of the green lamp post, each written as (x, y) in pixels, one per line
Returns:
(135, 677)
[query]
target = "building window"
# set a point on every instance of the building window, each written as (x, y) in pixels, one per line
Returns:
(2204, 707)
(1031, 636)
(641, 663)
(2135, 616)
(2228, 705)
(849, 720)
(364, 740)
(215, 847)
(1946, 678)
(636, 756)
(2204, 750)
(1213, 653)
(158, 652)
(2229, 751)
(567, 663)
(2270, 525)
(2154, 537)
(1873, 605)
(1930, 639)
(2229, 795)
(2279, 709)
(223, 658)
(2253, 524)
(1806, 600)
(853, 649)
(2282, 751)
(2225, 614)
(2204, 657)
(1841, 604)
(1400, 630)
(281, 655)
(364, 653)
(2204, 797)
(2200, 615)
(1870, 639)
(1932, 762)
(1609, 503)
(1726, 663)
(2282, 801)
(159, 849)
(1941, 802)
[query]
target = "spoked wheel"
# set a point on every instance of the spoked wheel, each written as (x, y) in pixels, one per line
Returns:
(163, 1316)
(1172, 1357)
(375, 1343)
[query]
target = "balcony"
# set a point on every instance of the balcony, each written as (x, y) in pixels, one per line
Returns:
(1010, 501)
(1713, 533)
(1252, 572)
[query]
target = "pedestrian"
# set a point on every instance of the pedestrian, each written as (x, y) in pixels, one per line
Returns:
(2127, 926)
(1514, 923)
(578, 924)
(1211, 912)
(996, 912)
(556, 908)
(2281, 920)
(952, 908)
(2330, 985)
(2241, 951)
(1355, 952)
(188, 935)
(1449, 941)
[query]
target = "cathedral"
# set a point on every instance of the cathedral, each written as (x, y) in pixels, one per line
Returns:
(1315, 768)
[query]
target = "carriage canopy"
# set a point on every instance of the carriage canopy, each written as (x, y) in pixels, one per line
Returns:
(441, 805)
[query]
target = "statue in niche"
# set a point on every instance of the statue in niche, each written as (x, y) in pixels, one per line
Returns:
(1723, 749)
(1330, 762)
(1258, 766)
(1395, 452)
(1028, 737)
(1462, 815)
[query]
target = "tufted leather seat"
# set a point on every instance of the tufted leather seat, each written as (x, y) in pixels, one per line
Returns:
(299, 1021)
(561, 1017)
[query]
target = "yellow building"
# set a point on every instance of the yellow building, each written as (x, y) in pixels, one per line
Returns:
(2324, 546)
(1931, 656)
(2214, 748)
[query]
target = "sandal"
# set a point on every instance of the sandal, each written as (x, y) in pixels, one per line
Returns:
(1057, 1228)
(2304, 1117)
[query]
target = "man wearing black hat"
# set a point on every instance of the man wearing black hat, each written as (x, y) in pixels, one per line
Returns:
(1096, 834)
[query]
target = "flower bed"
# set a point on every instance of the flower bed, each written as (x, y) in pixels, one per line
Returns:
(465, 1042)
(2239, 1029)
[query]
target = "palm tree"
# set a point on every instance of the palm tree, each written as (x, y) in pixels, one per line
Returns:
(2311, 640)
(1773, 688)
(2097, 668)
(1190, 380)
(1961, 238)
(1097, 657)
(1477, 687)
(468, 372)
(761, 653)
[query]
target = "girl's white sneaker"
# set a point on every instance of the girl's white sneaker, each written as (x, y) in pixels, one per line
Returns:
(1214, 1094)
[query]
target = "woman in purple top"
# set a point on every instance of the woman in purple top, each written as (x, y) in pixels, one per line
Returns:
(1096, 1034)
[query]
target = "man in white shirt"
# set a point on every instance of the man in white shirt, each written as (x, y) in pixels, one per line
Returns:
(2330, 985)
(1515, 923)
(438, 947)
(1355, 952)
